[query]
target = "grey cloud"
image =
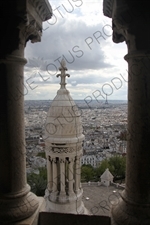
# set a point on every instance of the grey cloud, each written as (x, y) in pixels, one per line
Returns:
(70, 39)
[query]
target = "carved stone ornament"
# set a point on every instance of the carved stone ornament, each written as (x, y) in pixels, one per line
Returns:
(130, 21)
(54, 160)
(63, 74)
(62, 160)
(32, 32)
(42, 7)
(71, 160)
(63, 150)
(37, 12)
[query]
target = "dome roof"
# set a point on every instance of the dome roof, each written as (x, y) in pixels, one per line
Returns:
(63, 123)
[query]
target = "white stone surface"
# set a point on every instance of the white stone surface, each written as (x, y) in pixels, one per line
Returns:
(106, 178)
(63, 146)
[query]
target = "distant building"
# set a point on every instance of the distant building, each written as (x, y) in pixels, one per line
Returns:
(33, 139)
(93, 160)
(106, 178)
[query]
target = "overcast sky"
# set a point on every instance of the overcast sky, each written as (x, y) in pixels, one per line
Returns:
(82, 35)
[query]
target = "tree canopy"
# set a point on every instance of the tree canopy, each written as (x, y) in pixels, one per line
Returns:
(38, 182)
(87, 173)
(115, 164)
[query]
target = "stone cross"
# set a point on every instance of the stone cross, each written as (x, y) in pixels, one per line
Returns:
(63, 74)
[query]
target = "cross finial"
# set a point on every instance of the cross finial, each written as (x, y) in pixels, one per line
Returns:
(63, 74)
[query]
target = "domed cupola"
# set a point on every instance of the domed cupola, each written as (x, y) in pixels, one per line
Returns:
(63, 146)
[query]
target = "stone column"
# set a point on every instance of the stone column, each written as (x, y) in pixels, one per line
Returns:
(135, 203)
(70, 177)
(49, 174)
(16, 202)
(77, 173)
(130, 22)
(62, 175)
(62, 178)
(54, 168)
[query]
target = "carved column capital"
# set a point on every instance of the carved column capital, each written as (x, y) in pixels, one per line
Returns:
(49, 159)
(62, 160)
(37, 12)
(77, 158)
(54, 160)
(31, 32)
(130, 22)
(71, 160)
(22, 22)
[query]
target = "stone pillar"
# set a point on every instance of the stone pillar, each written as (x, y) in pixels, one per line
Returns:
(49, 174)
(15, 200)
(130, 22)
(70, 177)
(135, 203)
(77, 173)
(62, 177)
(54, 168)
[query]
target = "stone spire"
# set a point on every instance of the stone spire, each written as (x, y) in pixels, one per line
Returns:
(64, 138)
